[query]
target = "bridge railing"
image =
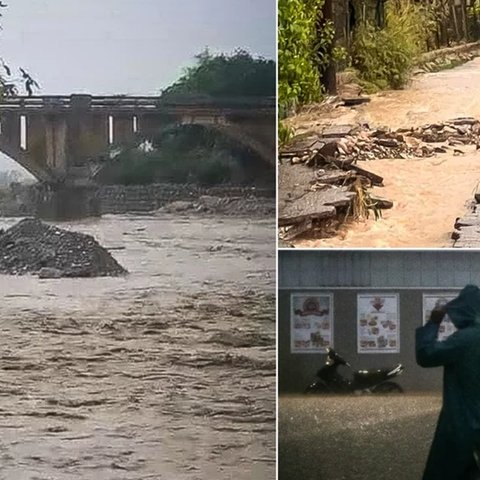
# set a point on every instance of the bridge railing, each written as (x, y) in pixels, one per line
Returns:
(63, 102)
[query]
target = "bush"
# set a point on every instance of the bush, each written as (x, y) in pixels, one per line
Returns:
(302, 52)
(384, 57)
(236, 74)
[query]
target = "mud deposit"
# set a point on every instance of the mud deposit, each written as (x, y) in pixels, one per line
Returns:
(166, 373)
(376, 437)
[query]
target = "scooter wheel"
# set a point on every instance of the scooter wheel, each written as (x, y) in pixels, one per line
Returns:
(388, 387)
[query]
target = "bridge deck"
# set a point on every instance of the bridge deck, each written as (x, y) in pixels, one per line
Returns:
(139, 103)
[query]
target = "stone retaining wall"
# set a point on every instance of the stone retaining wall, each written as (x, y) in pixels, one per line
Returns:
(122, 199)
(117, 199)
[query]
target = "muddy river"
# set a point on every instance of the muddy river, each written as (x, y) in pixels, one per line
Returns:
(166, 373)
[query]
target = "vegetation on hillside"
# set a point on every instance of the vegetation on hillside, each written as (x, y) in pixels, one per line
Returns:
(238, 74)
(193, 154)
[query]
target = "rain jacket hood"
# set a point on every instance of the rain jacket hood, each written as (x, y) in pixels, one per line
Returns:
(458, 428)
(464, 310)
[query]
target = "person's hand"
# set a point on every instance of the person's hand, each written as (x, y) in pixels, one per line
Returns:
(437, 316)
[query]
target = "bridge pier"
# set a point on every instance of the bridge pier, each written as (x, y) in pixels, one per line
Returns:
(67, 202)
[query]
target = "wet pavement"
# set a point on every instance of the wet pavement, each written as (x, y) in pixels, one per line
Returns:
(166, 373)
(355, 437)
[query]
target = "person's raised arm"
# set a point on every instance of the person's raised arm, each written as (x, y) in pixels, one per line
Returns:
(429, 351)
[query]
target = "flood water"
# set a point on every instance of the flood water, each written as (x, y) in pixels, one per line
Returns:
(428, 194)
(166, 373)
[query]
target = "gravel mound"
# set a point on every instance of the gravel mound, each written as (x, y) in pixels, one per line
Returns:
(33, 247)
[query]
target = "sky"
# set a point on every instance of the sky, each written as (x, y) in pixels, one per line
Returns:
(135, 47)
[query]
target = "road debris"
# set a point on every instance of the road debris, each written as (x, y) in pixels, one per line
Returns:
(320, 171)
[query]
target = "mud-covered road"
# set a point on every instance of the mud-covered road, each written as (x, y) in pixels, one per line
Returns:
(355, 438)
(429, 98)
(166, 373)
(428, 194)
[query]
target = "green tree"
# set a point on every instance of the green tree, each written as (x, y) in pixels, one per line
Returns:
(238, 74)
(302, 51)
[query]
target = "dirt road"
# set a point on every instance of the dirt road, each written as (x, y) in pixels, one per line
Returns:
(167, 373)
(428, 194)
(355, 438)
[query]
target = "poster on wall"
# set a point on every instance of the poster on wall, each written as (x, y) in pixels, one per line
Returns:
(378, 323)
(439, 300)
(311, 322)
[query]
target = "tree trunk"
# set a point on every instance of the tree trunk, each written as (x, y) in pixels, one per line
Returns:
(455, 20)
(329, 75)
(464, 20)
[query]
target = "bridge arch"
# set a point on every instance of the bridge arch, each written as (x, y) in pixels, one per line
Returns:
(66, 132)
(248, 162)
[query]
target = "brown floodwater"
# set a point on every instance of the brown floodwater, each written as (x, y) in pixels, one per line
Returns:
(428, 194)
(166, 373)
(429, 98)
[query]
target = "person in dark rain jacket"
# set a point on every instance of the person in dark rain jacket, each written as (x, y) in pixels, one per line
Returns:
(457, 435)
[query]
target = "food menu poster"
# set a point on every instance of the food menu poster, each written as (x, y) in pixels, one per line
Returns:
(378, 323)
(311, 322)
(439, 300)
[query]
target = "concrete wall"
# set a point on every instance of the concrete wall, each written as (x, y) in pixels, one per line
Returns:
(297, 370)
(345, 274)
(378, 268)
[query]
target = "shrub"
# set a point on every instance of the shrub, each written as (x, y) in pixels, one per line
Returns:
(384, 57)
(302, 52)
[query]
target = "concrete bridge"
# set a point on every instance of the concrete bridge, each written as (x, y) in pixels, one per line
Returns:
(60, 139)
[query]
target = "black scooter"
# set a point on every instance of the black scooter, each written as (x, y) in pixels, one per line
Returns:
(363, 381)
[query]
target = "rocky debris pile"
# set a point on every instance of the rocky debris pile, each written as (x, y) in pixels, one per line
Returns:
(34, 247)
(320, 181)
(230, 206)
(349, 144)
